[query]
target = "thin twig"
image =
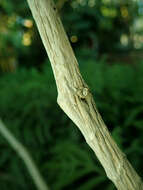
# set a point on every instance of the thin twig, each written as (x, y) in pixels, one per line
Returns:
(23, 153)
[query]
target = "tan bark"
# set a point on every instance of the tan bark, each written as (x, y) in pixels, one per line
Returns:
(75, 98)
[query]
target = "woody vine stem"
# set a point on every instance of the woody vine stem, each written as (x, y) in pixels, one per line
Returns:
(75, 98)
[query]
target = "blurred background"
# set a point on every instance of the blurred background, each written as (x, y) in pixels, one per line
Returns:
(107, 37)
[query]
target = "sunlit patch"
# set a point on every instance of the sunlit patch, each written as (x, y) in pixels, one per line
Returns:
(108, 12)
(91, 3)
(124, 12)
(138, 24)
(124, 40)
(137, 45)
(82, 2)
(106, 1)
(74, 39)
(74, 4)
(138, 41)
(26, 39)
(28, 23)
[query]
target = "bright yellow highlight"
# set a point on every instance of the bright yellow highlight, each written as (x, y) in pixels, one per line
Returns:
(124, 12)
(28, 23)
(124, 40)
(108, 12)
(74, 39)
(26, 39)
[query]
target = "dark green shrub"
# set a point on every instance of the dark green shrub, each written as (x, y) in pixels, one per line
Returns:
(28, 108)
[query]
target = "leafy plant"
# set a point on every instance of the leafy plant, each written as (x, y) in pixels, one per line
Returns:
(28, 107)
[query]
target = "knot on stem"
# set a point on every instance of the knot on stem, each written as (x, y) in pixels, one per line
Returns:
(82, 92)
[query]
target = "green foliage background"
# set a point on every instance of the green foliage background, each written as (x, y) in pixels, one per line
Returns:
(28, 107)
(28, 93)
